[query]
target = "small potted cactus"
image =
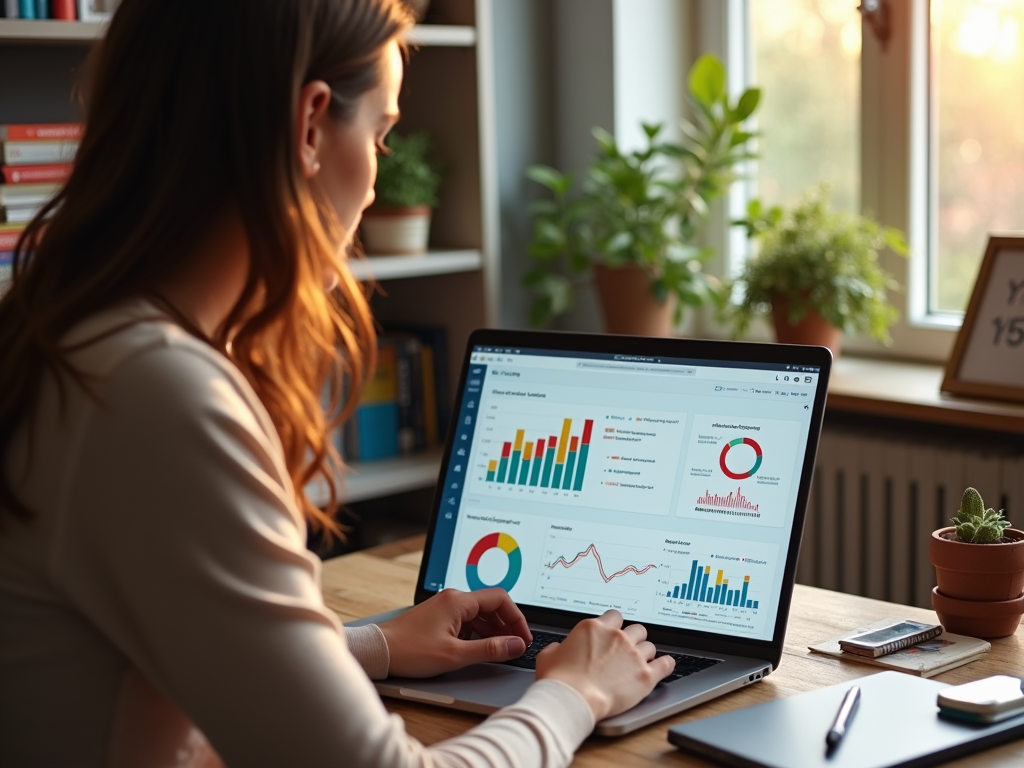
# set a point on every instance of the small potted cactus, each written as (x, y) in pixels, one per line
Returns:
(979, 566)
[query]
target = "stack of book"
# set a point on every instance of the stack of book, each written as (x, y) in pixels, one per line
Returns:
(405, 408)
(61, 10)
(34, 160)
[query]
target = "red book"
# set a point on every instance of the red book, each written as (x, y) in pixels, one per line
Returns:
(63, 9)
(41, 131)
(35, 174)
(9, 238)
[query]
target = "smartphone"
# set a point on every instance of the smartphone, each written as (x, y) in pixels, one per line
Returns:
(896, 636)
(984, 701)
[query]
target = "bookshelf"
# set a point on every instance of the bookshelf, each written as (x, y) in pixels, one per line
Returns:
(448, 91)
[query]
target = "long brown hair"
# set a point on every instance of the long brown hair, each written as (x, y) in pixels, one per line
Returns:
(191, 108)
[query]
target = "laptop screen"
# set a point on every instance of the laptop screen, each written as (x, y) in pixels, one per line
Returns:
(663, 487)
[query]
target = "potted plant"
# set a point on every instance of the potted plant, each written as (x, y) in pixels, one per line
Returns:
(398, 222)
(979, 567)
(817, 272)
(633, 227)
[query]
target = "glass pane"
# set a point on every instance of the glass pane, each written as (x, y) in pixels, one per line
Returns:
(978, 93)
(806, 57)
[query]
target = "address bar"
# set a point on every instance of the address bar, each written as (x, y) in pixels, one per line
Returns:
(644, 368)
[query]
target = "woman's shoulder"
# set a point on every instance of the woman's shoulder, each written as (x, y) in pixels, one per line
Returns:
(104, 341)
(137, 353)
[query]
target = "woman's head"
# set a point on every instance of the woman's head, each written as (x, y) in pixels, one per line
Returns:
(260, 107)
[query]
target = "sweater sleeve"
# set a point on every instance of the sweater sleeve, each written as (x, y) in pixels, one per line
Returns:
(180, 542)
(370, 649)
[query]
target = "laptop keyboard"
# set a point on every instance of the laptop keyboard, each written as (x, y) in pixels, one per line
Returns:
(685, 665)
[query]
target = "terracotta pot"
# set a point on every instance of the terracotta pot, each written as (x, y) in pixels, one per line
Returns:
(974, 618)
(396, 231)
(629, 306)
(980, 588)
(813, 329)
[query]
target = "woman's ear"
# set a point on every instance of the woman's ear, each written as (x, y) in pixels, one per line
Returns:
(312, 123)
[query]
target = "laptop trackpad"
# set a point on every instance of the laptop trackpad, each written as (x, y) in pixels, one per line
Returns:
(486, 685)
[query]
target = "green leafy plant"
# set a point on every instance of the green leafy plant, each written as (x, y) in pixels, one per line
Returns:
(977, 525)
(407, 176)
(643, 207)
(817, 259)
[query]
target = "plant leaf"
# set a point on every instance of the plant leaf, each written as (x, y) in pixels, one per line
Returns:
(707, 80)
(746, 105)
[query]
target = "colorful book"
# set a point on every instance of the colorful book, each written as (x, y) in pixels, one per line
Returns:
(9, 234)
(63, 10)
(96, 10)
(27, 9)
(406, 349)
(37, 152)
(35, 174)
(26, 194)
(373, 429)
(42, 9)
(927, 659)
(9, 9)
(430, 397)
(6, 268)
(436, 339)
(40, 131)
(17, 214)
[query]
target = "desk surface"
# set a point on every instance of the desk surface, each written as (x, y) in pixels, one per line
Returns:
(375, 580)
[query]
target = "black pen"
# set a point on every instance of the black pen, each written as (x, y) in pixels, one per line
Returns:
(843, 718)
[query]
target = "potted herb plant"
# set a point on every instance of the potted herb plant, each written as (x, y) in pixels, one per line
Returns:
(979, 567)
(632, 229)
(817, 272)
(398, 222)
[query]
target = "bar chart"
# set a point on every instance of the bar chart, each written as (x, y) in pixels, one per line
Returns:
(700, 588)
(553, 461)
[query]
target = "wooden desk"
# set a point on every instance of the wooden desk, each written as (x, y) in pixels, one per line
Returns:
(376, 580)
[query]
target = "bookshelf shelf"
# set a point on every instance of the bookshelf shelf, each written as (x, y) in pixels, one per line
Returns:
(49, 31)
(442, 35)
(432, 263)
(73, 32)
(382, 478)
(448, 92)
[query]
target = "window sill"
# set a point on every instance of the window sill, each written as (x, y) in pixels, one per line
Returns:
(904, 390)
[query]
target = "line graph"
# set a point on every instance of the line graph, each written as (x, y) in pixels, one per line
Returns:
(592, 550)
(611, 568)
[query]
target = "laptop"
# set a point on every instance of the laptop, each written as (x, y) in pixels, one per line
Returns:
(665, 478)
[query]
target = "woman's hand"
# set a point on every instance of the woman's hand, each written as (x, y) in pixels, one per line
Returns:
(432, 637)
(612, 668)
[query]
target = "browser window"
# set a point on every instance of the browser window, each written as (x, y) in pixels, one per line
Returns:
(665, 488)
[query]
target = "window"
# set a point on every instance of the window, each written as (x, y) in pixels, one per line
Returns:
(977, 133)
(806, 53)
(924, 131)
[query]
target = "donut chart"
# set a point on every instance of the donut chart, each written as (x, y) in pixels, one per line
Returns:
(506, 544)
(725, 452)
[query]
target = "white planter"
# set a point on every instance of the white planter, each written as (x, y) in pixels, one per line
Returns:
(396, 231)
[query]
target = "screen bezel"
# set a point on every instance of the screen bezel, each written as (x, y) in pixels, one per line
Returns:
(710, 351)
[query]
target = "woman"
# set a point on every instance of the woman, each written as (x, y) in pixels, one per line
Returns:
(161, 358)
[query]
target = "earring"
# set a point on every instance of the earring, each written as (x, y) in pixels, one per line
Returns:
(316, 166)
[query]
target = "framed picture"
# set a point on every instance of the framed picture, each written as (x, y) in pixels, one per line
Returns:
(988, 358)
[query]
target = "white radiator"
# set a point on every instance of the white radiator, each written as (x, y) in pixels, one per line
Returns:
(877, 496)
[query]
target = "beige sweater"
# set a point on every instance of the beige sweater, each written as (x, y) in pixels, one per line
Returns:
(162, 599)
